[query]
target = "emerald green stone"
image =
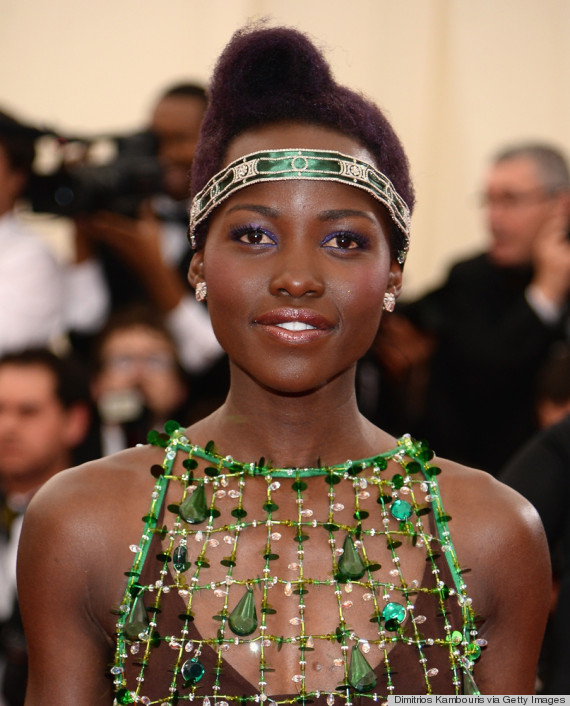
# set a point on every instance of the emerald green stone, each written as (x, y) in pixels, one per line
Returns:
(124, 697)
(192, 671)
(243, 618)
(360, 674)
(137, 622)
(194, 509)
(394, 612)
(351, 565)
(401, 510)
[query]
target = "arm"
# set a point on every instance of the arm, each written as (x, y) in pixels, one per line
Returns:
(58, 584)
(502, 541)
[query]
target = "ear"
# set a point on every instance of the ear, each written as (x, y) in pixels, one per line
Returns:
(395, 279)
(78, 420)
(196, 269)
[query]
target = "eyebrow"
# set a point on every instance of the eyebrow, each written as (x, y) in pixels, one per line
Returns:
(337, 214)
(329, 215)
(257, 208)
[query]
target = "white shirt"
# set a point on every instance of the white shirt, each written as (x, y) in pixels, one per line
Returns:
(31, 288)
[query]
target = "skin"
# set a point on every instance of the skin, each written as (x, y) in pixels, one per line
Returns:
(292, 400)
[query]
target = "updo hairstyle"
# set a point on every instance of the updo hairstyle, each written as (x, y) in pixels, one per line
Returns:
(266, 75)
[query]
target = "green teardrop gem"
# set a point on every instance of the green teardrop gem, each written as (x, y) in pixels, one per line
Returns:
(194, 509)
(137, 622)
(360, 674)
(243, 618)
(350, 565)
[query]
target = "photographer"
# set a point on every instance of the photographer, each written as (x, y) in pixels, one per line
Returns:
(31, 286)
(145, 258)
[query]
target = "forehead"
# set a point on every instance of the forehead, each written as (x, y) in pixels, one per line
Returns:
(517, 174)
(136, 338)
(27, 383)
(290, 135)
(178, 113)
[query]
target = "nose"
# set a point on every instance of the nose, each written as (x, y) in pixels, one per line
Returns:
(297, 274)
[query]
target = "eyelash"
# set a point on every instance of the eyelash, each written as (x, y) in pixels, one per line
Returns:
(239, 232)
(361, 241)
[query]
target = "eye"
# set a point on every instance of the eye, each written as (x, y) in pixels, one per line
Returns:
(252, 235)
(345, 240)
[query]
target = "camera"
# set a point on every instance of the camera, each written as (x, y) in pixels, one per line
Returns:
(86, 183)
(72, 175)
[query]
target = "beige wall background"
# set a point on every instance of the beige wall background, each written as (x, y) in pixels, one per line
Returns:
(458, 78)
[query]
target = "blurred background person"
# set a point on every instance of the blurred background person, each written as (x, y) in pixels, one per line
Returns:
(145, 258)
(462, 360)
(31, 280)
(44, 418)
(540, 471)
(137, 381)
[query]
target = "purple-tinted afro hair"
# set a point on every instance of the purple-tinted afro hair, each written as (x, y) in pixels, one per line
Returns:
(266, 75)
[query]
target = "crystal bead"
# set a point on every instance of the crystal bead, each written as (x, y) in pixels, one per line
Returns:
(288, 590)
(337, 507)
(420, 619)
(275, 536)
(297, 678)
(432, 672)
(330, 700)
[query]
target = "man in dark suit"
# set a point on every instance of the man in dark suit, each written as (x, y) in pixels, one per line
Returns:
(490, 326)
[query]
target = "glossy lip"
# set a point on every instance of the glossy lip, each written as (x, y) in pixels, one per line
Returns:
(269, 323)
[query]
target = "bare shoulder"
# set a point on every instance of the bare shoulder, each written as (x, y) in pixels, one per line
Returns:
(486, 509)
(496, 532)
(88, 515)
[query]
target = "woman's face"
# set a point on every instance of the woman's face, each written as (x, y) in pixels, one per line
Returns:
(296, 270)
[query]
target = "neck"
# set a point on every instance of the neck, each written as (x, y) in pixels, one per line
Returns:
(298, 430)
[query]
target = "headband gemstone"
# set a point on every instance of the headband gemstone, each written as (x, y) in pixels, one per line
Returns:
(280, 165)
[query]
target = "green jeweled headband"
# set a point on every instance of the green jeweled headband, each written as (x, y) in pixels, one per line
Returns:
(279, 165)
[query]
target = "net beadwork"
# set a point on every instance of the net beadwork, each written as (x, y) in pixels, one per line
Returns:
(224, 595)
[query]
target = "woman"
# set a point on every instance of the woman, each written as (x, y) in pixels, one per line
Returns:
(267, 566)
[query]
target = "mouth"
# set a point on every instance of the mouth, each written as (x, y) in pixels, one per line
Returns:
(294, 325)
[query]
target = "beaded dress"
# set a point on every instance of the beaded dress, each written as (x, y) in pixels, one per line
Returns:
(225, 601)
